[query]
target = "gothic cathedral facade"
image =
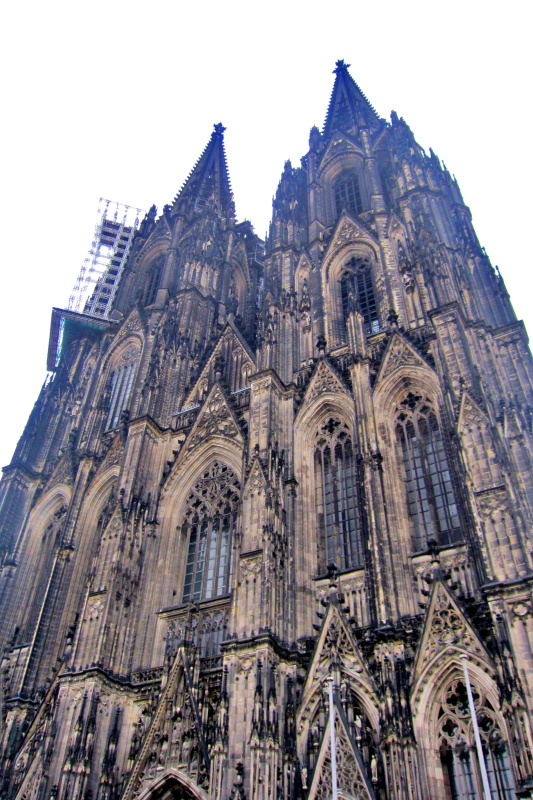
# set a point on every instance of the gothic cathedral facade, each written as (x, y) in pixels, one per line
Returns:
(275, 467)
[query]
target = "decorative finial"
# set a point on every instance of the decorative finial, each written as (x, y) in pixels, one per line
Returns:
(333, 574)
(340, 66)
(219, 129)
(393, 318)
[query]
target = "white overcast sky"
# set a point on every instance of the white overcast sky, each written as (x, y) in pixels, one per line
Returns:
(118, 100)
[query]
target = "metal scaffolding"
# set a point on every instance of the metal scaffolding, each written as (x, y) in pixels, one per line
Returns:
(99, 277)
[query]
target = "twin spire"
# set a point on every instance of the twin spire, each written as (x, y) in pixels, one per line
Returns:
(208, 184)
(348, 107)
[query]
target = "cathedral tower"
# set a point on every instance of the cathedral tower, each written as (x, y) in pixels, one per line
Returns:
(272, 466)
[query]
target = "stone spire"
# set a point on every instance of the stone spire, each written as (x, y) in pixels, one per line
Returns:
(208, 184)
(348, 107)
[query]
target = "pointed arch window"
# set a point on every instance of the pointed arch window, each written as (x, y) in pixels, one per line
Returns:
(458, 754)
(49, 545)
(431, 498)
(120, 387)
(357, 290)
(347, 193)
(210, 525)
(339, 534)
(152, 282)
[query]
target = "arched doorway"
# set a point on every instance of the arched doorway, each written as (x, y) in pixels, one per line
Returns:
(174, 787)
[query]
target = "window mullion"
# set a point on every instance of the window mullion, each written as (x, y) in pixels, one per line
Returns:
(427, 477)
(326, 482)
(353, 516)
(209, 561)
(338, 560)
(346, 533)
(115, 383)
(121, 383)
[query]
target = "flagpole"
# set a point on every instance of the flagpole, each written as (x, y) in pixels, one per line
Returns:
(480, 755)
(333, 743)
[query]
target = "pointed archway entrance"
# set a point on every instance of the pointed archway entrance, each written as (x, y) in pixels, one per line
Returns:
(174, 786)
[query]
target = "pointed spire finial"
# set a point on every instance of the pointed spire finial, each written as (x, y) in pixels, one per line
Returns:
(333, 574)
(219, 129)
(341, 66)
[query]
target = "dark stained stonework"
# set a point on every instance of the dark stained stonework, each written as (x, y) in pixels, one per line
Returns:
(274, 463)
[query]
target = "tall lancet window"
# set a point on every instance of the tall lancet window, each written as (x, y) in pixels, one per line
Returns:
(210, 524)
(357, 290)
(48, 547)
(120, 389)
(430, 494)
(460, 765)
(153, 279)
(339, 525)
(348, 193)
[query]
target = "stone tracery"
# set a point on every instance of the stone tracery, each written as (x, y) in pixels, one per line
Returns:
(210, 524)
(457, 746)
(339, 527)
(428, 479)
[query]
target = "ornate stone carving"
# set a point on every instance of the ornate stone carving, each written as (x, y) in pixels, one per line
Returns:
(251, 565)
(445, 626)
(115, 527)
(338, 145)
(246, 663)
(492, 502)
(256, 482)
(174, 739)
(229, 506)
(470, 415)
(399, 354)
(227, 352)
(218, 479)
(259, 387)
(324, 380)
(133, 323)
(214, 419)
(347, 233)
(61, 474)
(336, 645)
(351, 779)
(94, 608)
(113, 455)
(522, 609)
